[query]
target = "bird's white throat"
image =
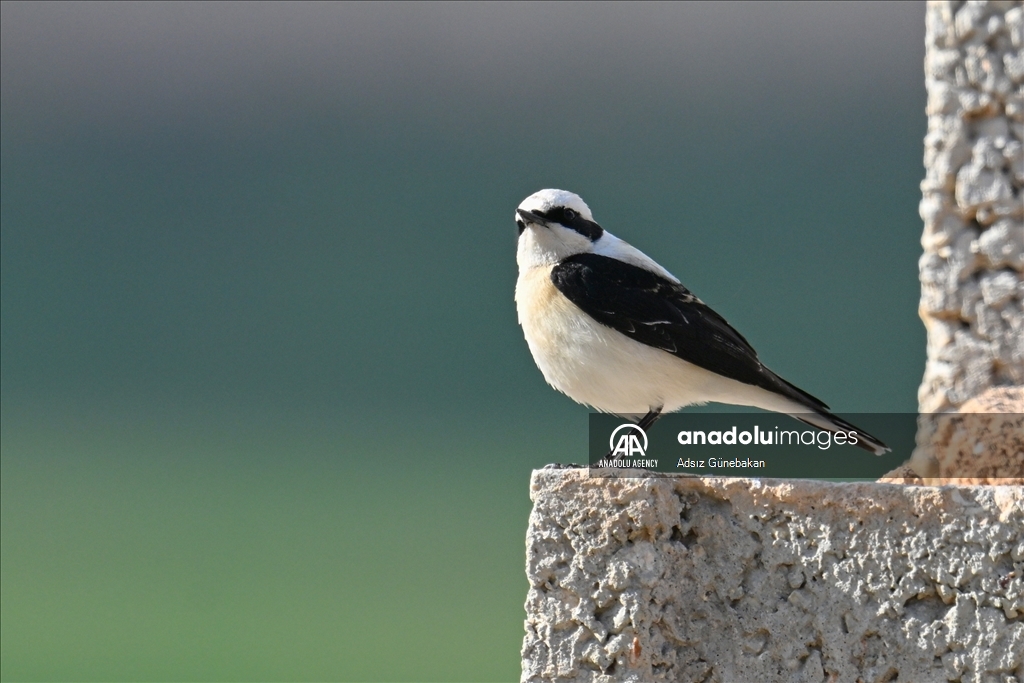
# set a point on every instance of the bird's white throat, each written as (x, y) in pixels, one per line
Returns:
(545, 246)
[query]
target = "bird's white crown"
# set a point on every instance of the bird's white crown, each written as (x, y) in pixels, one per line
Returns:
(545, 200)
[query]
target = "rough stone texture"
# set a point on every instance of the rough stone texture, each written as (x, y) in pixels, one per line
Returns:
(972, 269)
(982, 443)
(700, 579)
(904, 474)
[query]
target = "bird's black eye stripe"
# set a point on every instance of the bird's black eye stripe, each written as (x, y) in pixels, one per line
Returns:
(571, 219)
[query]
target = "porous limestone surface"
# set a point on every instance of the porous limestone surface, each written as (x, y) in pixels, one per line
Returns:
(972, 268)
(981, 443)
(742, 580)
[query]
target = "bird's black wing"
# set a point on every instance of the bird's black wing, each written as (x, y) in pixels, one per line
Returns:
(653, 310)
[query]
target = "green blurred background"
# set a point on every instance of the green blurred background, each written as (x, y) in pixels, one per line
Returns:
(266, 410)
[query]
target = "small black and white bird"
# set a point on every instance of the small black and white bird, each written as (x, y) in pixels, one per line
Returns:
(612, 329)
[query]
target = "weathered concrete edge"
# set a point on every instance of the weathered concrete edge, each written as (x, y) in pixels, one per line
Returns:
(592, 542)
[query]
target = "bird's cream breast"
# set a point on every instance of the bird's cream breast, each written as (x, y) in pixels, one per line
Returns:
(543, 310)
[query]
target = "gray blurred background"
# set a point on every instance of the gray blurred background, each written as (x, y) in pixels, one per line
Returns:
(266, 410)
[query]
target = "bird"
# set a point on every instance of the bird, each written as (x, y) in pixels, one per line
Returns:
(612, 329)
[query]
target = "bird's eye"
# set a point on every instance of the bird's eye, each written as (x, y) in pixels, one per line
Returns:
(570, 214)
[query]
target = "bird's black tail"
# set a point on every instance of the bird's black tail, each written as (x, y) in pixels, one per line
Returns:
(833, 423)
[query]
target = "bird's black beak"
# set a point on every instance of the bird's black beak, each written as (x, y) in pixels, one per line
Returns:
(532, 217)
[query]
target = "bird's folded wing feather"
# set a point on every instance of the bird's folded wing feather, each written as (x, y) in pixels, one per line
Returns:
(661, 313)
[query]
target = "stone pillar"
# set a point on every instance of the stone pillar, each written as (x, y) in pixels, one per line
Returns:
(971, 270)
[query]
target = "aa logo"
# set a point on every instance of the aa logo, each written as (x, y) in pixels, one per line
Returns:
(625, 441)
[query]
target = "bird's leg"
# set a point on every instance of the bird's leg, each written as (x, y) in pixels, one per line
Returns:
(645, 423)
(648, 420)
